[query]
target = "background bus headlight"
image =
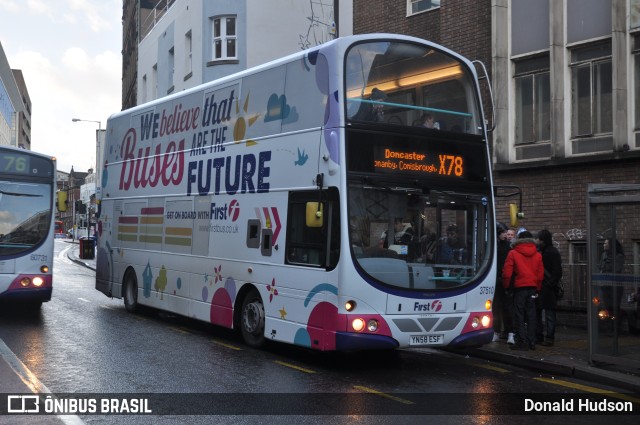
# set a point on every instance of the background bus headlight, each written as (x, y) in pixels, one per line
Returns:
(38, 281)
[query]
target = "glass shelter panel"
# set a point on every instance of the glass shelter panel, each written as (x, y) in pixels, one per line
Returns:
(614, 290)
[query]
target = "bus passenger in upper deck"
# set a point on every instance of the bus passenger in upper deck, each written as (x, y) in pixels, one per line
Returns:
(372, 111)
(427, 121)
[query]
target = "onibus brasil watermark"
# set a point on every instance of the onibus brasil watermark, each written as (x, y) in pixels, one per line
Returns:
(34, 404)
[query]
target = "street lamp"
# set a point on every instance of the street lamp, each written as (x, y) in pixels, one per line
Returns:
(97, 169)
(97, 139)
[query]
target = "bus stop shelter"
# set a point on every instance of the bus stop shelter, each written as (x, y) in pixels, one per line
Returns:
(613, 280)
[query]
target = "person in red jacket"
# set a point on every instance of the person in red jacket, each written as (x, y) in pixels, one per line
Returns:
(523, 272)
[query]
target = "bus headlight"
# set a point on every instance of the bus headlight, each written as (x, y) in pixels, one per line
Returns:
(38, 281)
(372, 325)
(25, 281)
(357, 324)
(483, 322)
(44, 269)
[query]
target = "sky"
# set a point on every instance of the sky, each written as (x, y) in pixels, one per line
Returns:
(69, 52)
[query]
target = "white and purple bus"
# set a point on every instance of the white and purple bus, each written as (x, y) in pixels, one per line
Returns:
(27, 194)
(304, 201)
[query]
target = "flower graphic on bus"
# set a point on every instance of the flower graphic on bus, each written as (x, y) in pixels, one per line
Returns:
(272, 289)
(218, 274)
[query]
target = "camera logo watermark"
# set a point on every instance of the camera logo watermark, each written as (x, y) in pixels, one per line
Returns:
(23, 404)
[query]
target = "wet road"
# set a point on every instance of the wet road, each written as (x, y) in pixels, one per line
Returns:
(83, 342)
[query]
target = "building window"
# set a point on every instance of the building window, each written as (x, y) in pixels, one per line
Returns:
(154, 82)
(144, 89)
(417, 6)
(533, 106)
(636, 89)
(591, 91)
(188, 55)
(575, 274)
(171, 69)
(224, 38)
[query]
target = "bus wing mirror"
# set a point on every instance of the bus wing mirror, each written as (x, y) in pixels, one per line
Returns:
(62, 201)
(514, 214)
(314, 214)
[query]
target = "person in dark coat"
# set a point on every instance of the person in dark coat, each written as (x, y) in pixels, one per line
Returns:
(548, 300)
(373, 109)
(502, 299)
(524, 265)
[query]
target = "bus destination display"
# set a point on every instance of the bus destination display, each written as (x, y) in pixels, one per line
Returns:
(14, 163)
(412, 161)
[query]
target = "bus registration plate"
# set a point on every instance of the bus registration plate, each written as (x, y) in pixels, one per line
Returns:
(437, 339)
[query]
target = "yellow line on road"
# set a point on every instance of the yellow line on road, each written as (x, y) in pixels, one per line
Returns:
(494, 368)
(301, 369)
(233, 347)
(385, 395)
(588, 389)
(181, 330)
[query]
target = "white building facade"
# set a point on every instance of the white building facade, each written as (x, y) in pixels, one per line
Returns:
(197, 41)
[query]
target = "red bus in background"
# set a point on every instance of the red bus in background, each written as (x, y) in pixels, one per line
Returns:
(59, 230)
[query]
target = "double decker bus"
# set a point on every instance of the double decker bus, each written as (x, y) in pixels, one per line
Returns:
(303, 200)
(59, 229)
(27, 193)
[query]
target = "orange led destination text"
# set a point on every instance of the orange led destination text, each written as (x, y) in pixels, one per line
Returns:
(414, 161)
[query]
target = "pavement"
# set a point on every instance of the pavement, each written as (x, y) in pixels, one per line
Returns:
(569, 357)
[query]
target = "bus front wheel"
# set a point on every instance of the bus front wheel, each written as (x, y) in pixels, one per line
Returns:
(130, 293)
(252, 319)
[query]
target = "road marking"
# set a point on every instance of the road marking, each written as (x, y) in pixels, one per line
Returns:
(85, 300)
(292, 366)
(62, 255)
(233, 347)
(32, 381)
(181, 330)
(588, 389)
(491, 367)
(381, 394)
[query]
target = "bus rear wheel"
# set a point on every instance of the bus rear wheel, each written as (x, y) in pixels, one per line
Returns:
(252, 319)
(130, 293)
